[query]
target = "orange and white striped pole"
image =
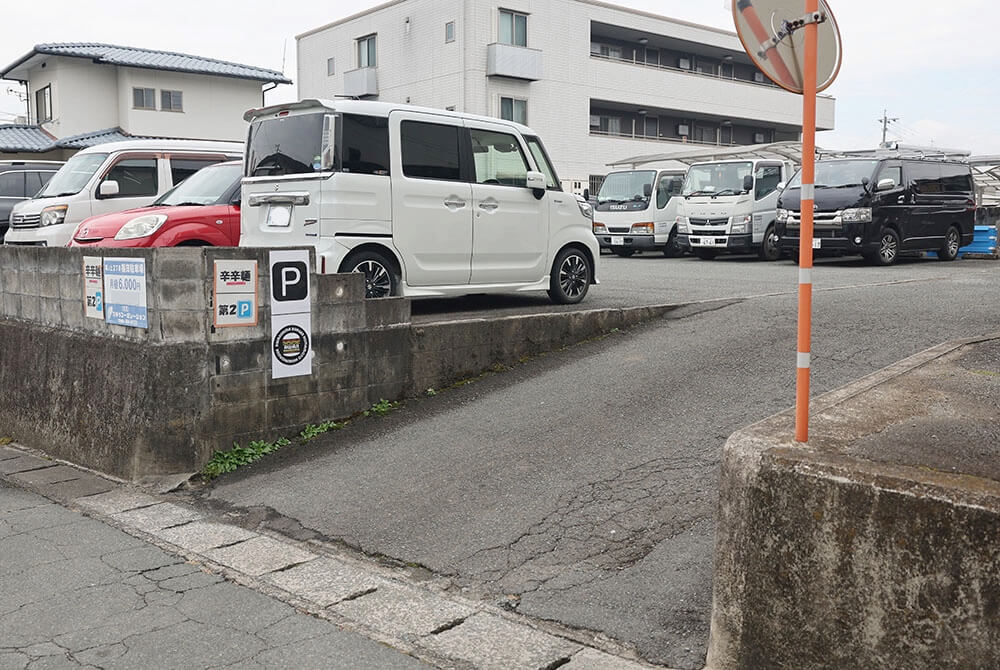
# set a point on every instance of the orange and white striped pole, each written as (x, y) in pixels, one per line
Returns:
(808, 192)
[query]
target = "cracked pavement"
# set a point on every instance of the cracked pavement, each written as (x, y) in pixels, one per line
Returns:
(77, 593)
(581, 488)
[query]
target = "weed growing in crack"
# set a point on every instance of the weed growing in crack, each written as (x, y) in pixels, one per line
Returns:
(311, 431)
(381, 408)
(227, 461)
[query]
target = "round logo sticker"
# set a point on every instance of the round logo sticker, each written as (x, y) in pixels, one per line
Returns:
(291, 344)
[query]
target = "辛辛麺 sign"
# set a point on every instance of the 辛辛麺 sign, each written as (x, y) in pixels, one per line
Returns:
(235, 294)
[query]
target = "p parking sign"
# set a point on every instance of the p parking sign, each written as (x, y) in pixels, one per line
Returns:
(291, 314)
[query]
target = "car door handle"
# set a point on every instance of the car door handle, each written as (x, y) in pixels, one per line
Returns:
(489, 205)
(454, 202)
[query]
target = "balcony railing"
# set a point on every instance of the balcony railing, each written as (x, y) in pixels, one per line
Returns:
(659, 138)
(506, 60)
(767, 83)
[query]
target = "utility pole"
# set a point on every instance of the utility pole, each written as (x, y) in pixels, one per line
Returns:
(885, 121)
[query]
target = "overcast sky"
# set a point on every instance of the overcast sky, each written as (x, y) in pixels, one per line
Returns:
(930, 64)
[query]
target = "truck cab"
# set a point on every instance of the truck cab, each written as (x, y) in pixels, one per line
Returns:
(636, 210)
(730, 206)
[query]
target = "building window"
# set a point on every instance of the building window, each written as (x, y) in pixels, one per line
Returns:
(171, 101)
(143, 98)
(512, 109)
(513, 28)
(366, 51)
(43, 104)
(449, 31)
(331, 68)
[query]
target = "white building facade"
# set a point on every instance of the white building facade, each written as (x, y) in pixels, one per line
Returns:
(597, 81)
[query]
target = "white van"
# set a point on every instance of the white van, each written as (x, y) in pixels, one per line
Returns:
(730, 206)
(628, 217)
(110, 178)
(425, 202)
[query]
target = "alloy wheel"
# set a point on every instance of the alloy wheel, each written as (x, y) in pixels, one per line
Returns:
(889, 248)
(378, 283)
(573, 275)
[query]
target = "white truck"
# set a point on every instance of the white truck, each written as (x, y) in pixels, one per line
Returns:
(636, 211)
(730, 206)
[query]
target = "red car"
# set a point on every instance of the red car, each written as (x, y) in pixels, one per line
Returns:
(201, 211)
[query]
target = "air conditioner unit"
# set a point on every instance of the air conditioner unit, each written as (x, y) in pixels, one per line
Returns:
(684, 63)
(758, 138)
(683, 129)
(758, 77)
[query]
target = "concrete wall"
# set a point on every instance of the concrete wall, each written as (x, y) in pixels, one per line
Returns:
(148, 402)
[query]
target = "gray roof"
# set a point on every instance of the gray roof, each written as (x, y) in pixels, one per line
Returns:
(150, 59)
(18, 137)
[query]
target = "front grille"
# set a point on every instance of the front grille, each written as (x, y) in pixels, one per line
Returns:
(828, 220)
(708, 222)
(618, 230)
(25, 220)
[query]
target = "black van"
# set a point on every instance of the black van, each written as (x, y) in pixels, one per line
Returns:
(880, 207)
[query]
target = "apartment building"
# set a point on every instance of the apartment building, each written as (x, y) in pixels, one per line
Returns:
(599, 82)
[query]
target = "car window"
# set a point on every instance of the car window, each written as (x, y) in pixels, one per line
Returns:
(182, 168)
(12, 185)
(498, 158)
(135, 177)
(767, 179)
(956, 178)
(893, 172)
(365, 144)
(34, 181)
(430, 150)
(925, 177)
(668, 187)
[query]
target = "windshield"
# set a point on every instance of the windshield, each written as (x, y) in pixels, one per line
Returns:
(716, 178)
(623, 187)
(205, 187)
(837, 174)
(285, 145)
(73, 176)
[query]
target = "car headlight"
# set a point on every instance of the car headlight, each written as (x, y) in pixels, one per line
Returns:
(740, 224)
(644, 228)
(52, 216)
(682, 225)
(600, 228)
(781, 215)
(857, 215)
(586, 209)
(142, 226)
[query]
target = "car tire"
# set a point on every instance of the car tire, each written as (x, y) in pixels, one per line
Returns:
(673, 249)
(769, 248)
(888, 247)
(571, 275)
(623, 252)
(706, 254)
(952, 241)
(381, 278)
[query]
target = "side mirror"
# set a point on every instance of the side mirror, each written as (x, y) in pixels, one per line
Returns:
(781, 186)
(108, 188)
(586, 194)
(748, 183)
(536, 182)
(647, 190)
(885, 184)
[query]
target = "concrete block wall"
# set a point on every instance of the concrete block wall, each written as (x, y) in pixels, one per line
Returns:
(139, 403)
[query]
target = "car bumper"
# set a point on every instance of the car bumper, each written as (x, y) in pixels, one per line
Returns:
(627, 241)
(722, 242)
(41, 236)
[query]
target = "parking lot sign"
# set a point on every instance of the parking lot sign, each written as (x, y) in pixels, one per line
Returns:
(125, 292)
(291, 314)
(93, 287)
(235, 293)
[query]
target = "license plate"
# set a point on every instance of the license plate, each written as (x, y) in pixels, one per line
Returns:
(279, 216)
(617, 240)
(817, 242)
(708, 241)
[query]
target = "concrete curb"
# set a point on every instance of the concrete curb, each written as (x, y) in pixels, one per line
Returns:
(420, 618)
(769, 486)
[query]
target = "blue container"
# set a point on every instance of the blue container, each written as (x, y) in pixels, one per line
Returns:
(984, 242)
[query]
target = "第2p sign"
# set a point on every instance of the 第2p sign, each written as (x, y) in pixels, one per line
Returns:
(291, 314)
(235, 293)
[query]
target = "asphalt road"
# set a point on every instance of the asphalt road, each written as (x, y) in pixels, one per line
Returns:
(581, 486)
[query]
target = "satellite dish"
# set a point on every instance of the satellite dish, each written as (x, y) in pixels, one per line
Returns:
(773, 36)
